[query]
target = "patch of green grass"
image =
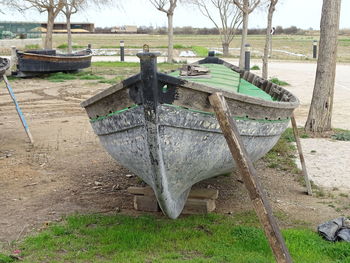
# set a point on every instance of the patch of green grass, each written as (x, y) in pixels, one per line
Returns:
(200, 51)
(343, 195)
(33, 46)
(341, 135)
(112, 81)
(5, 259)
(62, 46)
(60, 77)
(279, 82)
(90, 77)
(255, 67)
(289, 135)
(282, 155)
(201, 238)
(180, 46)
(116, 64)
(65, 46)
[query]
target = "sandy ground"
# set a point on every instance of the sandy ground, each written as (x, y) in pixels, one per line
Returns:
(67, 170)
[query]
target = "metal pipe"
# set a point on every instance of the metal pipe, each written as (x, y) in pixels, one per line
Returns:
(247, 57)
(121, 50)
(314, 50)
(18, 109)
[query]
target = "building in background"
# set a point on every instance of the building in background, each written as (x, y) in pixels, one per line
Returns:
(20, 30)
(10, 29)
(61, 27)
(124, 29)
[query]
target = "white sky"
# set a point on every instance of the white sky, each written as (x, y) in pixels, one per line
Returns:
(301, 13)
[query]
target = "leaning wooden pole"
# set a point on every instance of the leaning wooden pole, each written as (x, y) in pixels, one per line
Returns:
(245, 167)
(301, 155)
(19, 112)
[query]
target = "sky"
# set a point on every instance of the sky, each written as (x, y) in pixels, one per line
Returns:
(304, 14)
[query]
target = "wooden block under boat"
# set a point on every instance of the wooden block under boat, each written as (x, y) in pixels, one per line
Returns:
(199, 206)
(146, 203)
(200, 201)
(194, 193)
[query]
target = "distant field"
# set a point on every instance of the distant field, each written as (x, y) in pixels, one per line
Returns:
(282, 44)
(286, 47)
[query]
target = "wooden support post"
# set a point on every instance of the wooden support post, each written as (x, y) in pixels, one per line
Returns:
(13, 62)
(301, 155)
(19, 112)
(245, 167)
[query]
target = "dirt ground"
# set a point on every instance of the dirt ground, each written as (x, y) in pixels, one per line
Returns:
(67, 171)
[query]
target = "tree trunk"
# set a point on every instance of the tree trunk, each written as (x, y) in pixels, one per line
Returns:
(69, 34)
(244, 39)
(320, 113)
(268, 41)
(170, 37)
(50, 22)
(225, 49)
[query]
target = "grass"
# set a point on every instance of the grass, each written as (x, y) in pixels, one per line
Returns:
(116, 64)
(279, 82)
(255, 67)
(6, 259)
(62, 77)
(200, 51)
(201, 238)
(65, 46)
(282, 155)
(111, 81)
(341, 135)
(33, 46)
(292, 43)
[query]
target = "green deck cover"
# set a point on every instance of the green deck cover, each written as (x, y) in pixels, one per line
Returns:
(226, 79)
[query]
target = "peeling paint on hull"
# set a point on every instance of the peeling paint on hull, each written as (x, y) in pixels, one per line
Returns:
(191, 146)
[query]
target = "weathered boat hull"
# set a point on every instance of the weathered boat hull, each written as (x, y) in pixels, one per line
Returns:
(191, 146)
(164, 130)
(4, 65)
(47, 61)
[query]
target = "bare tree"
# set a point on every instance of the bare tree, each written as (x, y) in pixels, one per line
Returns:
(320, 113)
(246, 7)
(52, 7)
(268, 40)
(71, 7)
(168, 7)
(230, 18)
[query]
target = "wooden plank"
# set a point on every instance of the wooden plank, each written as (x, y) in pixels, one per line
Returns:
(246, 169)
(199, 206)
(147, 191)
(301, 155)
(146, 203)
(212, 194)
(194, 193)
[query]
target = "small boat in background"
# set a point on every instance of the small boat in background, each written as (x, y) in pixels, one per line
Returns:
(4, 65)
(36, 62)
(162, 127)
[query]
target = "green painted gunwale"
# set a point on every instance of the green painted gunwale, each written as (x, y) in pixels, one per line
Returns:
(221, 77)
(226, 79)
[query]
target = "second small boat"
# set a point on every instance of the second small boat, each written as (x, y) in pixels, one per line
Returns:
(36, 62)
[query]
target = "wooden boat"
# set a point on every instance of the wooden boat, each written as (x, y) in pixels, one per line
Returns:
(163, 129)
(4, 65)
(36, 62)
